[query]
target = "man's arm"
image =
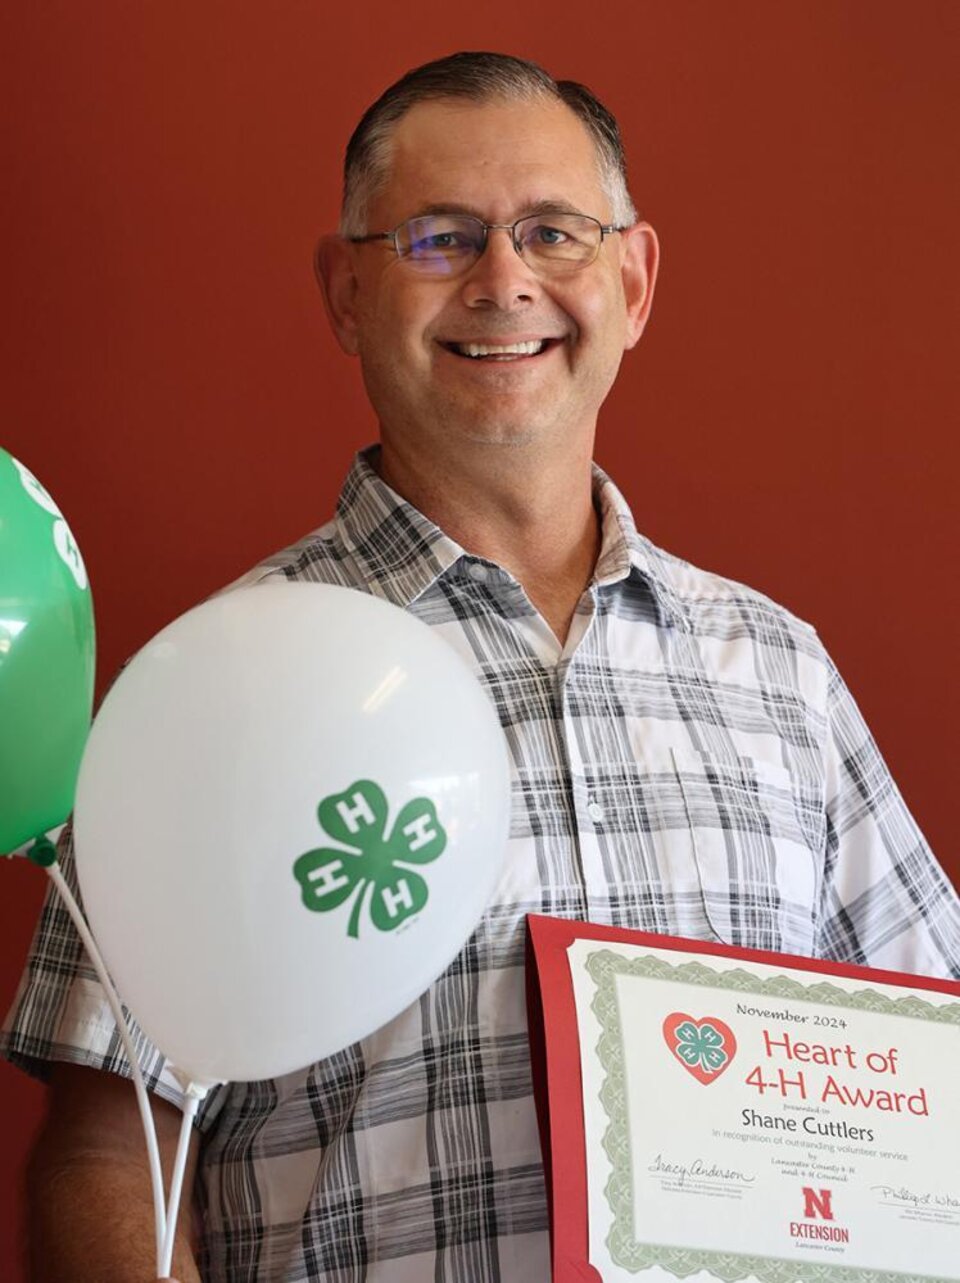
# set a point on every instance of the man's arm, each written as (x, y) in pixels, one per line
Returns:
(88, 1184)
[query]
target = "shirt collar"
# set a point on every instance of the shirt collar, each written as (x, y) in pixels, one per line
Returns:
(625, 552)
(400, 553)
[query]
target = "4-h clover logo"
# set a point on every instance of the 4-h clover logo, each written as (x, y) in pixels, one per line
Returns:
(369, 864)
(704, 1047)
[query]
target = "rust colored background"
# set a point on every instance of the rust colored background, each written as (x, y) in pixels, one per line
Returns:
(789, 419)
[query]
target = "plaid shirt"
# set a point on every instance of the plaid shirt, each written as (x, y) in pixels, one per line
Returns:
(689, 762)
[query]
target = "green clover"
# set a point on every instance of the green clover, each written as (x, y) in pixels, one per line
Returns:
(701, 1046)
(374, 867)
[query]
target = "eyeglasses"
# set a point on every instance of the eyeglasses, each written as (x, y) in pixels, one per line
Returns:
(449, 244)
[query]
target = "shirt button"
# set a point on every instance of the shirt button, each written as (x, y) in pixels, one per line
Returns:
(594, 810)
(477, 573)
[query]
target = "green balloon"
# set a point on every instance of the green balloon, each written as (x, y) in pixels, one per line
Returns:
(47, 658)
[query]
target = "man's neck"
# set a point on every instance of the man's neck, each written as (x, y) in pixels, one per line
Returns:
(535, 520)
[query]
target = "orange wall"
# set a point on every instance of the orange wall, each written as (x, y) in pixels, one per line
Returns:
(790, 418)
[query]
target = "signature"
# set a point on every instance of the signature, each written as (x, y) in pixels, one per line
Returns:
(701, 1170)
(900, 1194)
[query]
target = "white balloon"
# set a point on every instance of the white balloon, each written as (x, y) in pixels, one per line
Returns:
(242, 949)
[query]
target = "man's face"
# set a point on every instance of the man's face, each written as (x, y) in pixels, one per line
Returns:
(498, 161)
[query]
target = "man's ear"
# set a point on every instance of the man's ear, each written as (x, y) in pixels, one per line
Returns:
(641, 256)
(333, 263)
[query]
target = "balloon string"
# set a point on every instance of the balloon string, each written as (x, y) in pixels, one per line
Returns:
(190, 1104)
(146, 1115)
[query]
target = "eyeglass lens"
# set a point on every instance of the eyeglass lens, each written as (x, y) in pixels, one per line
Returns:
(448, 243)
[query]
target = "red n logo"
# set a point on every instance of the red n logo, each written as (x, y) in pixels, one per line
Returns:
(816, 1202)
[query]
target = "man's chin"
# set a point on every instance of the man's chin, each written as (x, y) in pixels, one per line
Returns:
(511, 436)
(514, 428)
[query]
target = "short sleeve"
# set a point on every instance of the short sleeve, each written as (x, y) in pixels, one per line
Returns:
(61, 1013)
(886, 901)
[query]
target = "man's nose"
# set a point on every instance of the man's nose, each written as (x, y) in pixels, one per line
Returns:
(500, 277)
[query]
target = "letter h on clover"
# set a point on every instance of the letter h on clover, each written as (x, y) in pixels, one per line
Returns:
(373, 866)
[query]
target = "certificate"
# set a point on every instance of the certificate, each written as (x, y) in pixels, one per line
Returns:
(730, 1114)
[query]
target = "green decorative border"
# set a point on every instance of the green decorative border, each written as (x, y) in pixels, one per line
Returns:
(603, 966)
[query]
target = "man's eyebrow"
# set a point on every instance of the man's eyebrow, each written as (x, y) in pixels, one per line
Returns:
(532, 209)
(552, 207)
(446, 207)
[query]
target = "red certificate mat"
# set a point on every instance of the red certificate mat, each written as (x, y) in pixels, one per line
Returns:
(838, 1076)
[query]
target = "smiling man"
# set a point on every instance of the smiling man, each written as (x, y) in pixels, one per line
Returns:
(491, 320)
(685, 757)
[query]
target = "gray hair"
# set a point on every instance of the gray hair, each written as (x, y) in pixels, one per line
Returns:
(477, 77)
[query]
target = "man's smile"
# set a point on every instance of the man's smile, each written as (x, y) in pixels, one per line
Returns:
(499, 350)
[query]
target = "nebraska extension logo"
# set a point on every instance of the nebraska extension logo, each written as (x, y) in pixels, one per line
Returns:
(818, 1206)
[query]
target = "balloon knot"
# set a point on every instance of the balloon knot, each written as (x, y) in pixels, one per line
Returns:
(42, 853)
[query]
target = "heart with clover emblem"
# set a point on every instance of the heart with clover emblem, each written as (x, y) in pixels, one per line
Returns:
(704, 1047)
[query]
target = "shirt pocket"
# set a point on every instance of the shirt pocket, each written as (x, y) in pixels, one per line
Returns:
(757, 833)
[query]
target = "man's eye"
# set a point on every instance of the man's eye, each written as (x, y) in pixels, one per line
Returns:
(440, 243)
(544, 234)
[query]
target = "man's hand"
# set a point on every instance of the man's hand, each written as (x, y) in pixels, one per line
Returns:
(89, 1196)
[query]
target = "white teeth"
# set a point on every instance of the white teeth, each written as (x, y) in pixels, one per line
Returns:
(505, 349)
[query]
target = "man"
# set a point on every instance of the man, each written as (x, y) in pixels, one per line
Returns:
(685, 757)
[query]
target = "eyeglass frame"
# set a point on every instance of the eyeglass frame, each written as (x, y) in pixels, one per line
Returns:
(606, 229)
